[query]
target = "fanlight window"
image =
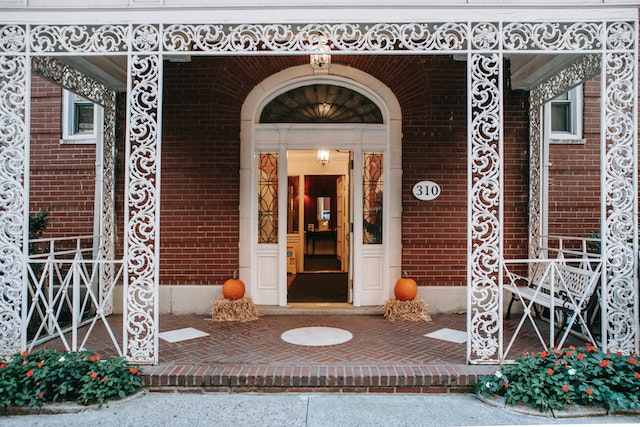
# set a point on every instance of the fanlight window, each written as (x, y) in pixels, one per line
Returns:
(321, 103)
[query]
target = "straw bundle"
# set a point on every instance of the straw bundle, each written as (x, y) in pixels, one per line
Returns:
(415, 310)
(238, 310)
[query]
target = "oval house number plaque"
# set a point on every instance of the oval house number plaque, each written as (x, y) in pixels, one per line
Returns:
(425, 190)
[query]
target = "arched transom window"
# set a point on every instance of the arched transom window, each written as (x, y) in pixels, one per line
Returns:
(321, 103)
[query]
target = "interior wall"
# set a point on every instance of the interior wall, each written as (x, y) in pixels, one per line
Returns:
(319, 186)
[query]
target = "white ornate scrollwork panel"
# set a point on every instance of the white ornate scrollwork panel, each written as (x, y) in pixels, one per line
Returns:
(107, 224)
(142, 208)
(485, 193)
(13, 145)
(535, 181)
(306, 37)
(620, 293)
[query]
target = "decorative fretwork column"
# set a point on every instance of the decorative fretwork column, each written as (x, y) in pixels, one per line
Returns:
(14, 96)
(485, 194)
(619, 100)
(142, 206)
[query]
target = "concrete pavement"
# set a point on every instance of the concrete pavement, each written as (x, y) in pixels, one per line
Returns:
(291, 410)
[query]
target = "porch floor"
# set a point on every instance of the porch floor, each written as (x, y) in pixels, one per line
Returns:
(382, 356)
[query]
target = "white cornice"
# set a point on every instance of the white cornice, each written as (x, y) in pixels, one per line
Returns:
(277, 14)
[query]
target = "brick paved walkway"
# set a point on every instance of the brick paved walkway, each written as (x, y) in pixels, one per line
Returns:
(383, 356)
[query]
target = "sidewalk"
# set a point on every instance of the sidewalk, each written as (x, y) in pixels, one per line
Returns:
(292, 410)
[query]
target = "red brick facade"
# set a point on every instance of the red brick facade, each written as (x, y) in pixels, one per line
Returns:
(201, 159)
(62, 175)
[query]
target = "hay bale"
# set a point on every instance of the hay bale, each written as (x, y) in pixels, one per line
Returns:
(415, 310)
(239, 310)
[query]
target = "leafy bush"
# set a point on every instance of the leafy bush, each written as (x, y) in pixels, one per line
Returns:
(53, 376)
(37, 226)
(572, 376)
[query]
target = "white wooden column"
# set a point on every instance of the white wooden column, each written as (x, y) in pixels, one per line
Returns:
(142, 208)
(619, 193)
(485, 206)
(14, 164)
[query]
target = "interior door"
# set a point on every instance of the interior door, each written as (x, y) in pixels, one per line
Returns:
(342, 222)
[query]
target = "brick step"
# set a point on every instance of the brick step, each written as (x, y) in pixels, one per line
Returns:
(433, 378)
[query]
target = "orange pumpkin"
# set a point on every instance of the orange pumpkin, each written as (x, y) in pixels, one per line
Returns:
(406, 288)
(233, 288)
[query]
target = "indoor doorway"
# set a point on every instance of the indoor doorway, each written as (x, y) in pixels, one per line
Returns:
(296, 113)
(318, 231)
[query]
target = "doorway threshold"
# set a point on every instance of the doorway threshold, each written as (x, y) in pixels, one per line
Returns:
(318, 309)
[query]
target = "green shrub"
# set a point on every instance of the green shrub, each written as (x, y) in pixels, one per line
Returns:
(33, 378)
(572, 376)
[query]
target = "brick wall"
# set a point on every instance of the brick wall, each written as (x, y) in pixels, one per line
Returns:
(62, 175)
(200, 165)
(574, 175)
(200, 161)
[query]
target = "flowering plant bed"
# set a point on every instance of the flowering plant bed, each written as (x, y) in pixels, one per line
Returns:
(572, 376)
(44, 376)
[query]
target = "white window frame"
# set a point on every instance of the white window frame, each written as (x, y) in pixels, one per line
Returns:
(68, 136)
(575, 99)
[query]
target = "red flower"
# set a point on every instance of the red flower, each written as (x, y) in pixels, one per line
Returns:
(565, 388)
(94, 374)
(25, 353)
(544, 354)
(505, 384)
(590, 347)
(104, 379)
(30, 373)
(3, 365)
(559, 352)
(41, 364)
(636, 374)
(569, 354)
(134, 371)
(589, 391)
(604, 363)
(95, 358)
(571, 348)
(632, 361)
(580, 356)
(550, 371)
(40, 395)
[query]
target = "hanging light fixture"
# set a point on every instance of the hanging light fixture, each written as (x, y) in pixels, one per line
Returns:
(323, 157)
(321, 60)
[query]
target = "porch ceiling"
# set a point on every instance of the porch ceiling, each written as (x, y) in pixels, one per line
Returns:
(109, 70)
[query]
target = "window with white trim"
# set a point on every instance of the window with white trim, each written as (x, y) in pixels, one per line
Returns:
(81, 119)
(563, 118)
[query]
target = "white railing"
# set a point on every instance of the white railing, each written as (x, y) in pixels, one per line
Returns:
(583, 250)
(582, 253)
(66, 291)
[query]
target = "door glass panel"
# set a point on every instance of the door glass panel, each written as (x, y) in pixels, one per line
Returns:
(372, 197)
(268, 197)
(293, 188)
